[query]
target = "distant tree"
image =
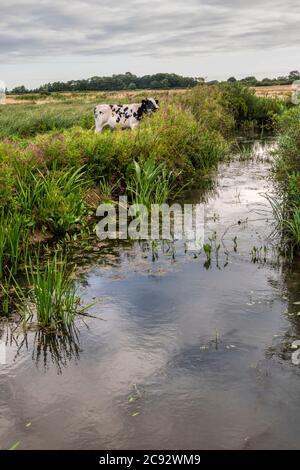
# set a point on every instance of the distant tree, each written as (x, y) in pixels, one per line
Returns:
(294, 75)
(282, 79)
(165, 83)
(250, 81)
(132, 86)
(267, 82)
(121, 82)
(129, 81)
(155, 84)
(19, 90)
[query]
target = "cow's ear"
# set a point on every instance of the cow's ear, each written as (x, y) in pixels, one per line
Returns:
(143, 101)
(156, 101)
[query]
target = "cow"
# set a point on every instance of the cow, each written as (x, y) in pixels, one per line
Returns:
(127, 116)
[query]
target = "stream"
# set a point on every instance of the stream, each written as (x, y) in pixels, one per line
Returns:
(181, 352)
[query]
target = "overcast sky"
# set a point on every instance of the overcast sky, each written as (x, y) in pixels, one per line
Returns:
(49, 40)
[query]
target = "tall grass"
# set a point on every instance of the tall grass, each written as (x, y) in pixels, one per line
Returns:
(53, 296)
(293, 226)
(62, 204)
(287, 218)
(56, 199)
(287, 172)
(13, 243)
(28, 120)
(149, 182)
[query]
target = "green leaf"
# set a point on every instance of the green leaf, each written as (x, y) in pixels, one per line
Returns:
(15, 446)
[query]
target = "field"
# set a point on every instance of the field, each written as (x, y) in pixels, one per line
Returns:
(275, 91)
(90, 96)
(278, 91)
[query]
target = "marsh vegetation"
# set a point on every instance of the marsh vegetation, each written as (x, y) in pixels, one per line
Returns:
(134, 335)
(54, 171)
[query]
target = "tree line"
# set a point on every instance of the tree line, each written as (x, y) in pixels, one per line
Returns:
(282, 80)
(158, 81)
(126, 81)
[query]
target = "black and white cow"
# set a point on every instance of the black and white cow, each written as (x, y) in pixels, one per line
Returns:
(126, 115)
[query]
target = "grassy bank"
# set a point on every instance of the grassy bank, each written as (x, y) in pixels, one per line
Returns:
(287, 172)
(54, 170)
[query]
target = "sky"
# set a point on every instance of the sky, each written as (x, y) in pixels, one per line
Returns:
(59, 40)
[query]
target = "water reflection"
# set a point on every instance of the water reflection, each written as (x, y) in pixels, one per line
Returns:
(48, 348)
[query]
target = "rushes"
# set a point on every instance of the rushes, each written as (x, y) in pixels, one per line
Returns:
(150, 183)
(54, 200)
(293, 226)
(62, 202)
(53, 296)
(13, 243)
(287, 218)
(287, 171)
(49, 295)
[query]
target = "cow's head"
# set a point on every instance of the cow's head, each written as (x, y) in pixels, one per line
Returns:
(150, 105)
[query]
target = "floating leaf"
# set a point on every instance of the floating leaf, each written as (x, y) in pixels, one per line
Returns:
(135, 414)
(28, 425)
(14, 447)
(297, 303)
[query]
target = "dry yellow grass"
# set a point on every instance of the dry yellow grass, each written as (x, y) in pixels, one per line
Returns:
(111, 96)
(274, 91)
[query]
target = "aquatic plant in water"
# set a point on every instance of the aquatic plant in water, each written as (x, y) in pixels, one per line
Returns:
(53, 298)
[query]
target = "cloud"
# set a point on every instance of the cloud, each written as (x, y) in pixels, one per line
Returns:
(52, 29)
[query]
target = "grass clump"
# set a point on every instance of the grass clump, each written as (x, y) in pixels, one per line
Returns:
(13, 244)
(53, 297)
(287, 172)
(55, 200)
(62, 202)
(149, 182)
